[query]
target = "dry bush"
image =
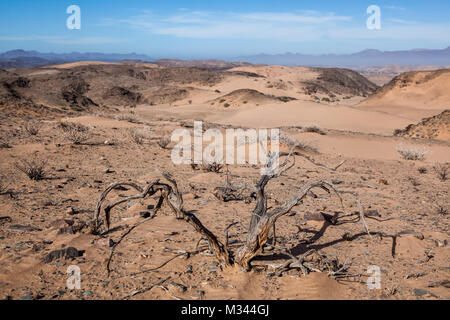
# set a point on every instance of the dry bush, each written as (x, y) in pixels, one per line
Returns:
(75, 132)
(164, 142)
(32, 127)
(139, 136)
(294, 143)
(314, 129)
(262, 219)
(34, 169)
(422, 170)
(412, 153)
(442, 210)
(212, 167)
(129, 117)
(442, 170)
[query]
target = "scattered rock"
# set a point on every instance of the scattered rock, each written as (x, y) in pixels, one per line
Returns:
(372, 213)
(420, 292)
(144, 214)
(21, 228)
(68, 253)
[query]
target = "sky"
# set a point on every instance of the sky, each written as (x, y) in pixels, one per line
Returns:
(223, 29)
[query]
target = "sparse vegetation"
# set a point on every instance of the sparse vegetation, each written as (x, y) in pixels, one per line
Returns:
(422, 170)
(164, 142)
(75, 132)
(442, 210)
(412, 153)
(212, 167)
(132, 118)
(35, 169)
(314, 129)
(226, 105)
(32, 127)
(139, 136)
(442, 170)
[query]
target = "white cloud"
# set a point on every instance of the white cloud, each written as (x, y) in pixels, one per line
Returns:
(253, 25)
(286, 26)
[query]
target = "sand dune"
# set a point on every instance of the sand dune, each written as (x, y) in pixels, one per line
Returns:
(413, 95)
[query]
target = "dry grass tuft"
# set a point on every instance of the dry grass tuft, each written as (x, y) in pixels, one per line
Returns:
(412, 153)
(212, 167)
(164, 142)
(75, 132)
(442, 170)
(139, 136)
(32, 127)
(314, 129)
(34, 169)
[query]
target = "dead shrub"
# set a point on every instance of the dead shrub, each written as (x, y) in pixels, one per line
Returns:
(422, 170)
(314, 129)
(212, 167)
(442, 170)
(164, 142)
(412, 153)
(75, 132)
(291, 142)
(139, 136)
(34, 169)
(129, 117)
(442, 210)
(32, 127)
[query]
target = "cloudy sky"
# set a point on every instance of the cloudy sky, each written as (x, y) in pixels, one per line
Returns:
(223, 29)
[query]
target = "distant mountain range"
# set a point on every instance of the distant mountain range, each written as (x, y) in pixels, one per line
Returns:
(366, 58)
(26, 59)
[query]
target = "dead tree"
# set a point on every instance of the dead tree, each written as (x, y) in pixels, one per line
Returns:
(263, 219)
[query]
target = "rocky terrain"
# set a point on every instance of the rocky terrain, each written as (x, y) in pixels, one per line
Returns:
(82, 127)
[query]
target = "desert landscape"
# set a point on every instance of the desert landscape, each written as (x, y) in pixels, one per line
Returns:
(70, 131)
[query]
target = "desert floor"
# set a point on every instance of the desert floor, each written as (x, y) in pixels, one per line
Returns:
(405, 201)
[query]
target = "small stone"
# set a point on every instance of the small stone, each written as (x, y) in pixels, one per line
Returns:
(26, 298)
(68, 253)
(87, 293)
(144, 214)
(71, 211)
(420, 292)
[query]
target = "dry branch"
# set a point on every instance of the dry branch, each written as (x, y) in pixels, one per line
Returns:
(263, 219)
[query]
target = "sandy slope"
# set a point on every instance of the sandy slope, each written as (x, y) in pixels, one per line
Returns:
(413, 95)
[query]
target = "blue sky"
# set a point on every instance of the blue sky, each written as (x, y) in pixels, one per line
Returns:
(223, 29)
